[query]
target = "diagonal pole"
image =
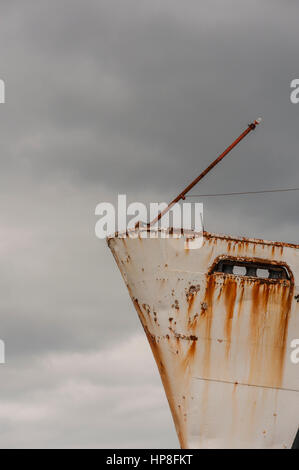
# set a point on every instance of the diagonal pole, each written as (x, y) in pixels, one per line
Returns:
(250, 128)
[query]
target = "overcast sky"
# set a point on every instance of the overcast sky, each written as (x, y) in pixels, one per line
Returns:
(133, 97)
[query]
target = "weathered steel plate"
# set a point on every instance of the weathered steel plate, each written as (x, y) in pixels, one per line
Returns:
(221, 340)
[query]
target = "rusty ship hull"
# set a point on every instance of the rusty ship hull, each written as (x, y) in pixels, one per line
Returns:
(220, 330)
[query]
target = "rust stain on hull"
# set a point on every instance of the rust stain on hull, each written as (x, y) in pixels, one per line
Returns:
(175, 411)
(205, 324)
(269, 318)
(190, 355)
(224, 331)
(230, 295)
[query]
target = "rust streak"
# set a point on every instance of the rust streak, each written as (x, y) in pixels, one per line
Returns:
(190, 355)
(190, 296)
(271, 305)
(230, 294)
(139, 311)
(180, 428)
(206, 319)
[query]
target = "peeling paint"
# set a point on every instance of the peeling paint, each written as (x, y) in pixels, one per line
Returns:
(221, 341)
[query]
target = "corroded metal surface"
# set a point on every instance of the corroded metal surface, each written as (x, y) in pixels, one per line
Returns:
(221, 341)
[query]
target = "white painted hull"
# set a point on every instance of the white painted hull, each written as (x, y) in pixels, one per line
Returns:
(221, 341)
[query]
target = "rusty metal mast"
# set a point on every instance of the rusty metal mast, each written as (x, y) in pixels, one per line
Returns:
(250, 128)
